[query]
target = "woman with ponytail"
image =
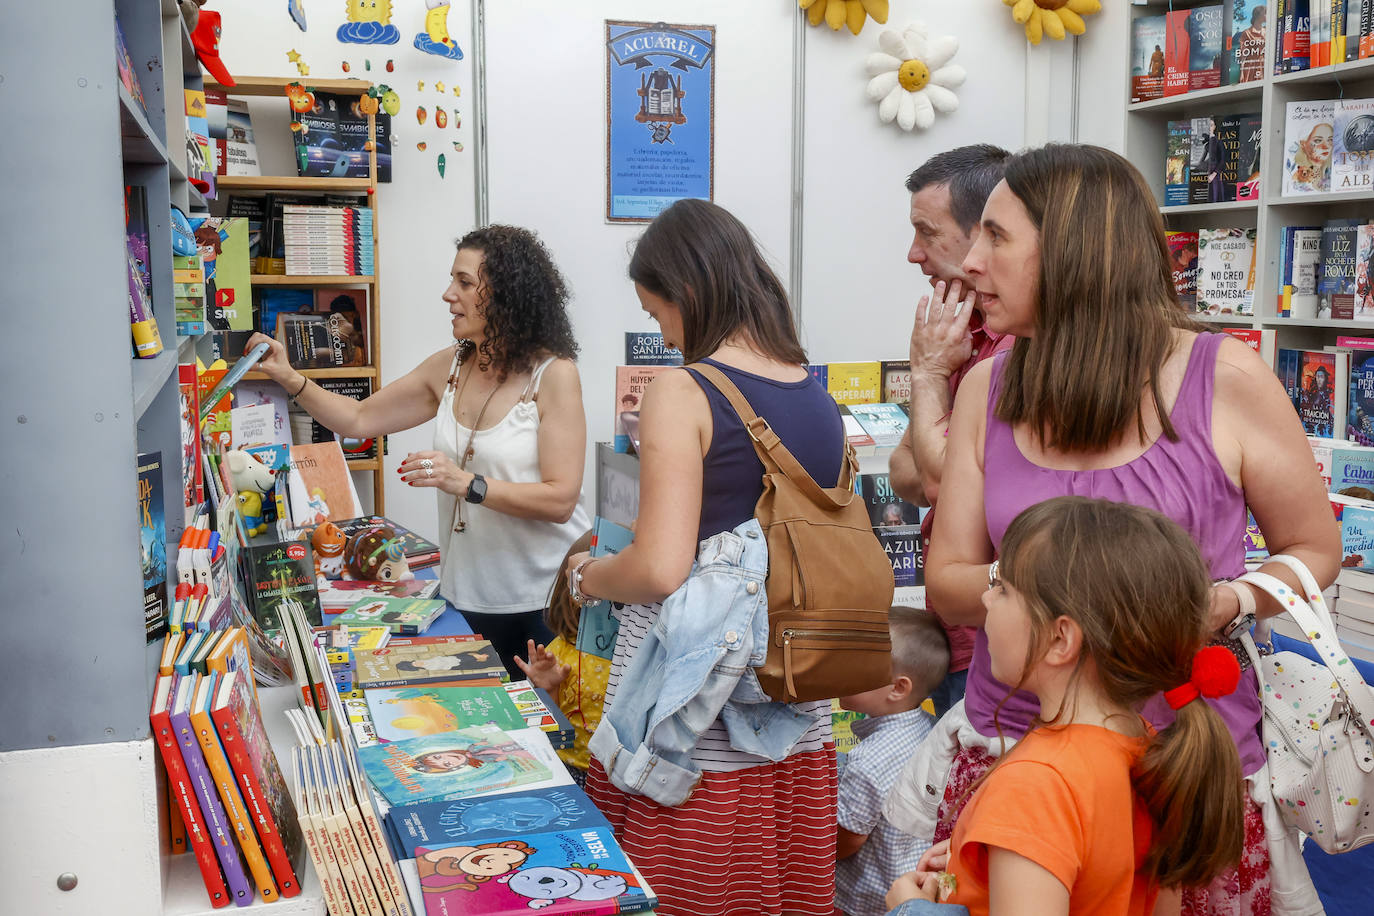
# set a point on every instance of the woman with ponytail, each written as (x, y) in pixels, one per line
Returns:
(1093, 608)
(1113, 391)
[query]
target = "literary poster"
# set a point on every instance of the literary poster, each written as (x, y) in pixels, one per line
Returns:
(660, 88)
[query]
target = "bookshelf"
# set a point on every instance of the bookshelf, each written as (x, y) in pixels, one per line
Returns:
(1145, 138)
(274, 87)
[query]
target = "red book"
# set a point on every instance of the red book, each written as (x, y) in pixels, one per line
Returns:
(166, 737)
(1176, 50)
(259, 778)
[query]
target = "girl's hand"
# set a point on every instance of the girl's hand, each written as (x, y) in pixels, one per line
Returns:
(908, 887)
(434, 469)
(542, 669)
(274, 363)
(935, 859)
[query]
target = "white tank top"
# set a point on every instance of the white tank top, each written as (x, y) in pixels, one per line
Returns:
(499, 564)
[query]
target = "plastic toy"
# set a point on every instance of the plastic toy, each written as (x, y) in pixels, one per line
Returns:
(329, 542)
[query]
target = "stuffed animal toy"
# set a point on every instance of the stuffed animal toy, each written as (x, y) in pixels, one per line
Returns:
(376, 553)
(248, 472)
(329, 542)
(250, 511)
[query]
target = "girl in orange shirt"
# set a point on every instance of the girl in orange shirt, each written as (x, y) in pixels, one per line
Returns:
(1094, 607)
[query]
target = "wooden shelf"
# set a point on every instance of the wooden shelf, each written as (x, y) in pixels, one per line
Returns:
(340, 372)
(311, 280)
(291, 183)
(1203, 97)
(273, 85)
(364, 464)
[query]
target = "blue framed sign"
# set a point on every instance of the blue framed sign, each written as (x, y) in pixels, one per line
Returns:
(660, 117)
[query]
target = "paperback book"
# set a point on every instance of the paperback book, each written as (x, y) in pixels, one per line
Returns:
(402, 616)
(599, 626)
(1300, 262)
(1226, 271)
(1245, 42)
(1147, 58)
(1308, 141)
(1176, 52)
(1248, 165)
(897, 382)
(414, 712)
(1205, 161)
(1310, 378)
(454, 660)
(451, 765)
(1360, 425)
(1204, 47)
(646, 348)
(630, 385)
(885, 423)
(855, 383)
(1183, 260)
(334, 140)
(510, 815)
(902, 544)
(1336, 288)
(885, 507)
(277, 573)
(1177, 153)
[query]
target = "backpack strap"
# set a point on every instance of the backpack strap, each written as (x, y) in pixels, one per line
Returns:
(774, 455)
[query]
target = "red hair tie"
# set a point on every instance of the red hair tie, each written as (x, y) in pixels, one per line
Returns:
(1215, 673)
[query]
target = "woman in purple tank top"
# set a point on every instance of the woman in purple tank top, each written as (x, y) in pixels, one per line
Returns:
(1112, 391)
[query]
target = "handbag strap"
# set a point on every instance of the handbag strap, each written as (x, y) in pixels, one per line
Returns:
(1321, 633)
(774, 455)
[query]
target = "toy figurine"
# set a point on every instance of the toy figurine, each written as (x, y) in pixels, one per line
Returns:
(329, 542)
(376, 553)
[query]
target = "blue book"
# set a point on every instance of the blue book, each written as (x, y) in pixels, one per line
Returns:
(450, 765)
(510, 815)
(273, 301)
(645, 348)
(1360, 425)
(152, 544)
(1352, 472)
(1357, 537)
(578, 871)
(598, 626)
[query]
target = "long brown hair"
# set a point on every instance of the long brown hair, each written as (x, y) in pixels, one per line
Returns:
(564, 614)
(1138, 589)
(700, 258)
(1105, 303)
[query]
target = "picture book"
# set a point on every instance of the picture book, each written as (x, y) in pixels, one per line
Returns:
(412, 712)
(152, 544)
(599, 627)
(216, 821)
(646, 348)
(855, 383)
(353, 447)
(1176, 52)
(1352, 158)
(897, 382)
(276, 573)
(1308, 139)
(403, 666)
(1248, 164)
(1364, 276)
(1301, 264)
(320, 486)
(1183, 261)
(252, 425)
(334, 139)
(630, 384)
(885, 423)
(1336, 286)
(541, 712)
(1204, 162)
(1176, 155)
(1360, 425)
(1352, 473)
(510, 815)
(223, 245)
(574, 871)
(420, 552)
(885, 507)
(345, 310)
(1204, 47)
(338, 594)
(450, 765)
(1245, 40)
(403, 616)
(902, 544)
(183, 790)
(273, 397)
(1226, 275)
(1147, 58)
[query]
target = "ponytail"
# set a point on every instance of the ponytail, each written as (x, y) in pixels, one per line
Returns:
(1190, 782)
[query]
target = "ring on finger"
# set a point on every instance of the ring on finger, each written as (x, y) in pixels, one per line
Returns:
(427, 463)
(429, 472)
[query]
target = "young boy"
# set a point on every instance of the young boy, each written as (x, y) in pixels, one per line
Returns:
(871, 852)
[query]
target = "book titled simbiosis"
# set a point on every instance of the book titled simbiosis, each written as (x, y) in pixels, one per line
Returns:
(333, 143)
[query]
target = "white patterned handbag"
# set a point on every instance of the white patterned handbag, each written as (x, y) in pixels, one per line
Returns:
(1318, 726)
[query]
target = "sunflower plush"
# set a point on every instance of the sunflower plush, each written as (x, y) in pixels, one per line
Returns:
(1054, 18)
(852, 13)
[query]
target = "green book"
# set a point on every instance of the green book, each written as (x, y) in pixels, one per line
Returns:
(402, 616)
(412, 712)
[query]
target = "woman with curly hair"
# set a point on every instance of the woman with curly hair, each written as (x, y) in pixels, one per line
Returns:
(510, 432)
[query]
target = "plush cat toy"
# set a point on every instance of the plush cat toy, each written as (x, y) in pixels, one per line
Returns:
(376, 553)
(329, 542)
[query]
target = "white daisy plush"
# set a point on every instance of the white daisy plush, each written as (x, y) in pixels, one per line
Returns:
(912, 77)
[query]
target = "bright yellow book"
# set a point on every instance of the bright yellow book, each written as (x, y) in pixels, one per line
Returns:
(855, 383)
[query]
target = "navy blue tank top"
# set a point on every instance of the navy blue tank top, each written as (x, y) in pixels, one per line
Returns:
(804, 417)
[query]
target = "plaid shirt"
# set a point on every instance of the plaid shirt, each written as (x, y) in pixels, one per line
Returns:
(885, 745)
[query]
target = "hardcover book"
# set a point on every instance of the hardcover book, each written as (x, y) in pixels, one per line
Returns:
(1360, 424)
(1204, 47)
(413, 712)
(645, 348)
(334, 139)
(276, 572)
(541, 712)
(1226, 276)
(456, 660)
(1352, 161)
(576, 871)
(419, 552)
(1176, 52)
(320, 486)
(599, 626)
(223, 245)
(338, 594)
(509, 815)
(1308, 141)
(402, 616)
(1147, 58)
(885, 423)
(1301, 268)
(1183, 260)
(630, 385)
(1176, 155)
(1245, 42)
(345, 309)
(885, 507)
(903, 548)
(152, 545)
(451, 765)
(897, 382)
(1336, 286)
(1205, 161)
(855, 383)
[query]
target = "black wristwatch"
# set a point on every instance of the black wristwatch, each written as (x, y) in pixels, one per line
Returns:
(477, 489)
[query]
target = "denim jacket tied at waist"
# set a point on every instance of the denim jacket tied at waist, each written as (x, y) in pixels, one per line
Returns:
(696, 665)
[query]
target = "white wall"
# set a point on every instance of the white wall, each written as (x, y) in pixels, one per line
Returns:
(420, 213)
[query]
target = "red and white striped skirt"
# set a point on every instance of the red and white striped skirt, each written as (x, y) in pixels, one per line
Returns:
(755, 842)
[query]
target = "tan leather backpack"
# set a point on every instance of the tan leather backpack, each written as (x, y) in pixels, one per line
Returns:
(829, 580)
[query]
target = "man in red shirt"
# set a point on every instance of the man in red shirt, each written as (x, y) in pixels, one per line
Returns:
(947, 196)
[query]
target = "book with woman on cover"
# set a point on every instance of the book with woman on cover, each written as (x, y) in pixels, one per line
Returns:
(455, 764)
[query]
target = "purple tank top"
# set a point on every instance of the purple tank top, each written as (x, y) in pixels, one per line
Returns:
(802, 414)
(1183, 480)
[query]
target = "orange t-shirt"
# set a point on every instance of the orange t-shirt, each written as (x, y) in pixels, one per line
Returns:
(1062, 799)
